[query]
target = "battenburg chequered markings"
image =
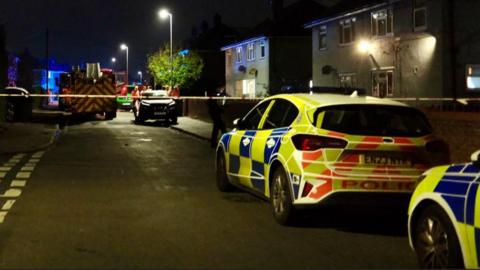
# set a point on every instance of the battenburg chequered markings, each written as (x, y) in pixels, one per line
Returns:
(330, 144)
(103, 86)
(454, 189)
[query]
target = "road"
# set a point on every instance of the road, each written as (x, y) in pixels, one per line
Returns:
(117, 195)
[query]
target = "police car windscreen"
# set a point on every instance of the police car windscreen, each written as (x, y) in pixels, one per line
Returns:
(374, 120)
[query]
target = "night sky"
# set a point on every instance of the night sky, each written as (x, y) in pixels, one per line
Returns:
(91, 30)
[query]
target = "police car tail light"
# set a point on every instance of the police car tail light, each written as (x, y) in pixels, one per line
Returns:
(313, 143)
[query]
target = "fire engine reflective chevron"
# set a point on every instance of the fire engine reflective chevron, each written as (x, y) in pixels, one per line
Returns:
(103, 86)
(456, 189)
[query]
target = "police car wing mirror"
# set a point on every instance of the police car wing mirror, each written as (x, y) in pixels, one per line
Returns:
(476, 158)
(237, 123)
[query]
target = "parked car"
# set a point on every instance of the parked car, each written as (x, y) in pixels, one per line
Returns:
(19, 107)
(301, 150)
(156, 105)
(124, 101)
(444, 216)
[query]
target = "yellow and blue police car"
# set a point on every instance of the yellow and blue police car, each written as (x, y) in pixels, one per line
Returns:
(444, 217)
(308, 149)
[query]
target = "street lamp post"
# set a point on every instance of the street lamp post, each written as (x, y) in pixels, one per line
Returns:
(164, 14)
(114, 60)
(140, 74)
(124, 47)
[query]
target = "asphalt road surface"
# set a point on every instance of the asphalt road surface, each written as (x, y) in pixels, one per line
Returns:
(117, 195)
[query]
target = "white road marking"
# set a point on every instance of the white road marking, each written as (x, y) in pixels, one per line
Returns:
(2, 174)
(14, 160)
(30, 164)
(19, 156)
(27, 169)
(5, 169)
(11, 164)
(38, 154)
(3, 214)
(8, 205)
(23, 175)
(11, 193)
(18, 183)
(34, 160)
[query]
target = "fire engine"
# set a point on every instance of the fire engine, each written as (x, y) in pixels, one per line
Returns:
(92, 81)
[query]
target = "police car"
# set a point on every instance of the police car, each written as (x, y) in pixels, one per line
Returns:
(444, 217)
(300, 150)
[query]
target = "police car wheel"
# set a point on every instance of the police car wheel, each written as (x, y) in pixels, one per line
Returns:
(281, 199)
(436, 242)
(221, 174)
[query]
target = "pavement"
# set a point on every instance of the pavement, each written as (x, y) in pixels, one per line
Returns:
(30, 136)
(194, 127)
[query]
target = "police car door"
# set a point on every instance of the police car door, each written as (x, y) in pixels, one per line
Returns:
(266, 144)
(240, 165)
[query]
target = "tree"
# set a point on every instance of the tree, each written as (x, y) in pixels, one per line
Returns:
(187, 67)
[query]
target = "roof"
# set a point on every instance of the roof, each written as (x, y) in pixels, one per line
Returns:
(243, 42)
(290, 22)
(325, 100)
(349, 8)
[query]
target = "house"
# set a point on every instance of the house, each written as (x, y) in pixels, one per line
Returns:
(207, 43)
(399, 48)
(276, 53)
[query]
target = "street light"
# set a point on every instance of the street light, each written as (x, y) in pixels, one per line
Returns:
(365, 46)
(114, 60)
(140, 74)
(124, 47)
(164, 14)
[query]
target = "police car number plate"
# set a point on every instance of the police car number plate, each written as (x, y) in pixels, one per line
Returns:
(159, 113)
(386, 160)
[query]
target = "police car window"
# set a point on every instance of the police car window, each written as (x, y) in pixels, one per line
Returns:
(252, 120)
(282, 114)
(379, 120)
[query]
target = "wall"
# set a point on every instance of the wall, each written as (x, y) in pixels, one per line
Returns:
(234, 76)
(416, 57)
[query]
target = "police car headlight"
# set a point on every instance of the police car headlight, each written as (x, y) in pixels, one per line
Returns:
(171, 103)
(145, 104)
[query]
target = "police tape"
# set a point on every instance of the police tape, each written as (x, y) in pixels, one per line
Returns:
(464, 101)
(129, 97)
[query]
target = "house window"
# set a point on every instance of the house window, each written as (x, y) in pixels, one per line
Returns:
(347, 31)
(251, 52)
(420, 19)
(382, 23)
(263, 49)
(238, 55)
(348, 80)
(473, 77)
(322, 38)
(383, 83)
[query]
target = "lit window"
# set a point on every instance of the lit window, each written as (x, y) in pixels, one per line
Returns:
(348, 80)
(382, 23)
(251, 52)
(347, 31)
(263, 49)
(239, 55)
(322, 38)
(420, 19)
(473, 77)
(383, 83)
